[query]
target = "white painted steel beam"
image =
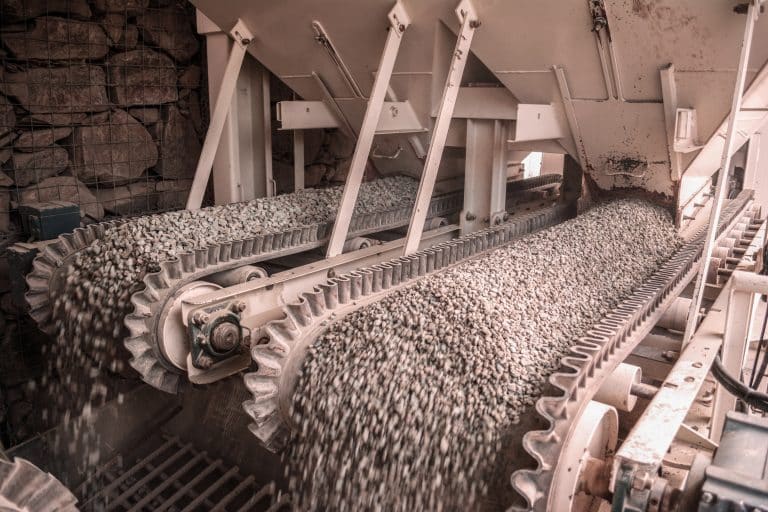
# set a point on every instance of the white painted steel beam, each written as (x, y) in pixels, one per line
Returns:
(469, 22)
(669, 96)
(242, 38)
(722, 180)
(537, 122)
(738, 319)
(396, 116)
(298, 159)
(478, 167)
(305, 115)
(653, 433)
(498, 199)
(399, 22)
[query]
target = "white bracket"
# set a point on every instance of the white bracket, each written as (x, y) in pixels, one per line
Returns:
(399, 18)
(537, 122)
(686, 131)
(243, 38)
(469, 22)
(466, 11)
(240, 34)
(399, 21)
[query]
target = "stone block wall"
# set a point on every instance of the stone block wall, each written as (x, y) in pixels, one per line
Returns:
(100, 104)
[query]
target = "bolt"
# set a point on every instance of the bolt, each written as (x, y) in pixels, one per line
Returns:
(470, 216)
(200, 318)
(708, 498)
(225, 337)
(239, 306)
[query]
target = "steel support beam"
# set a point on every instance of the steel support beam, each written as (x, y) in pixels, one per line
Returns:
(738, 320)
(722, 179)
(478, 165)
(669, 95)
(469, 22)
(498, 199)
(242, 38)
(399, 22)
(648, 442)
(298, 159)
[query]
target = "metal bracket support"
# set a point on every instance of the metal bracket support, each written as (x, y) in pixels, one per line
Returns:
(242, 37)
(399, 21)
(469, 22)
(298, 159)
(669, 96)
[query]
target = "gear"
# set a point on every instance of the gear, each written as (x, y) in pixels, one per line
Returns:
(25, 488)
(49, 270)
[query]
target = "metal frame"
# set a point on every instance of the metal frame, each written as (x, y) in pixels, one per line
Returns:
(399, 22)
(485, 175)
(298, 159)
(722, 179)
(242, 38)
(738, 321)
(469, 22)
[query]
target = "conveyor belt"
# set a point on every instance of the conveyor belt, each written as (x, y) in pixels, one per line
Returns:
(51, 269)
(592, 357)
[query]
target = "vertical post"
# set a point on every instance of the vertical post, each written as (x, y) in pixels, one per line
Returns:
(242, 38)
(298, 159)
(669, 95)
(752, 168)
(478, 169)
(498, 204)
(226, 163)
(738, 319)
(722, 178)
(266, 109)
(399, 22)
(469, 22)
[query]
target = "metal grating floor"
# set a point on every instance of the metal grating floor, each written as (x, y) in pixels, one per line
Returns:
(173, 476)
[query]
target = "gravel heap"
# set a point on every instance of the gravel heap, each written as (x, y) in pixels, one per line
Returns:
(402, 404)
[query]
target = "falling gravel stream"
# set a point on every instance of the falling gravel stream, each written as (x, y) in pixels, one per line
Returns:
(402, 404)
(90, 309)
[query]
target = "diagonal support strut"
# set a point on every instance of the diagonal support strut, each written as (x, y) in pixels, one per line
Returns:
(469, 22)
(399, 21)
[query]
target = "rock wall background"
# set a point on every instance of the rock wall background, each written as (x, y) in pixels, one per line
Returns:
(100, 104)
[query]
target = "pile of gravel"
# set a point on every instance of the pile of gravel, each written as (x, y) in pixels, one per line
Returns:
(402, 404)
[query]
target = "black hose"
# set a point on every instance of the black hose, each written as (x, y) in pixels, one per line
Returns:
(734, 386)
(753, 377)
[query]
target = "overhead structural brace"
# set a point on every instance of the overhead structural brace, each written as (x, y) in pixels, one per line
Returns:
(399, 22)
(469, 22)
(722, 178)
(242, 38)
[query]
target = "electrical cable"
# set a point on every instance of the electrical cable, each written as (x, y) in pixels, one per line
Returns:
(757, 376)
(734, 386)
(760, 346)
